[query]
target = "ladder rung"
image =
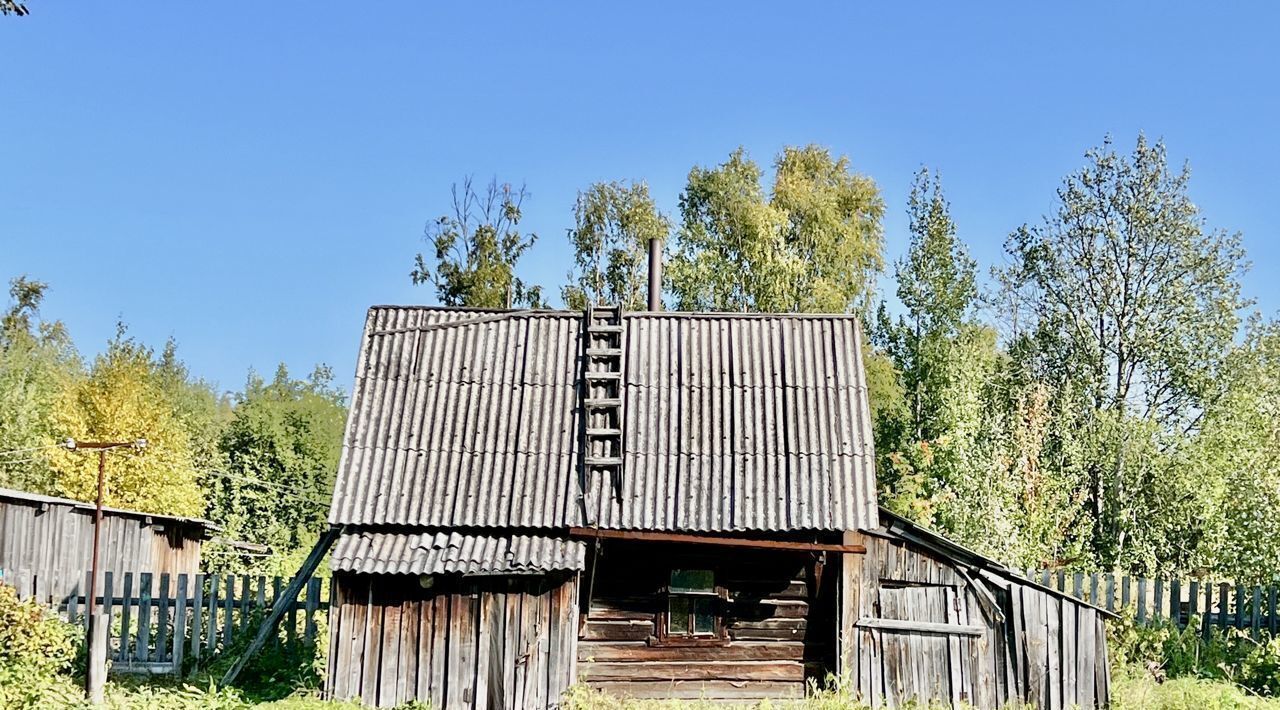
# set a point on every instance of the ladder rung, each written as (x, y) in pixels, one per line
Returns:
(604, 375)
(603, 328)
(604, 352)
(611, 461)
(604, 403)
(604, 432)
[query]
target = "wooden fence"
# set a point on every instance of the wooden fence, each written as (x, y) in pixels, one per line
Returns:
(159, 622)
(1163, 600)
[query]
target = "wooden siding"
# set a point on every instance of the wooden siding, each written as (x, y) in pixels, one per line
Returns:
(496, 642)
(778, 620)
(916, 629)
(45, 548)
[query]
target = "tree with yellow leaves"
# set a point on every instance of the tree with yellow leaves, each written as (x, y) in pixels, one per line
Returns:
(122, 399)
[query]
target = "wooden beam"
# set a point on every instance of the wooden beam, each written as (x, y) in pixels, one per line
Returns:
(923, 627)
(710, 540)
(284, 601)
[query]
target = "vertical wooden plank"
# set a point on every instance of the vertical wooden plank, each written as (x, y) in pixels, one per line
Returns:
(1053, 647)
(339, 648)
(126, 617)
(108, 606)
(1086, 658)
(1224, 607)
(1241, 597)
(1125, 600)
(245, 602)
(406, 676)
(143, 650)
(370, 677)
(1255, 620)
(426, 617)
(228, 609)
(511, 646)
(88, 576)
(73, 604)
(1093, 589)
(1111, 591)
(215, 584)
(1274, 614)
(1208, 609)
(458, 638)
(954, 659)
(179, 624)
(1142, 600)
(276, 584)
(356, 634)
(484, 615)
(1193, 601)
(1157, 611)
(197, 619)
(390, 667)
(291, 622)
(1175, 601)
(313, 603)
(1077, 585)
(162, 620)
(1069, 652)
(440, 661)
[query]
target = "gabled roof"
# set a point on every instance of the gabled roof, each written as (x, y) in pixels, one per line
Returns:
(464, 418)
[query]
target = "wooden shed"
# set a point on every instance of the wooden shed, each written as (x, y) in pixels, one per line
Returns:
(46, 543)
(661, 505)
(927, 619)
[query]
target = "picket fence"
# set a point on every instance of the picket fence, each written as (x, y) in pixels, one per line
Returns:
(1172, 600)
(159, 623)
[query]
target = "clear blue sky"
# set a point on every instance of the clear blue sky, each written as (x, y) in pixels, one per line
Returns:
(249, 178)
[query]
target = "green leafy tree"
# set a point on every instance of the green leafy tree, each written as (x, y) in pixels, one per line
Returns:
(1126, 304)
(613, 225)
(476, 250)
(37, 363)
(12, 7)
(812, 244)
(281, 449)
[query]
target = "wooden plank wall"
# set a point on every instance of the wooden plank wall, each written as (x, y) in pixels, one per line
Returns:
(779, 621)
(46, 548)
(463, 643)
(1049, 652)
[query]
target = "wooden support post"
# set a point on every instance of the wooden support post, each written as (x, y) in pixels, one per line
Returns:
(277, 609)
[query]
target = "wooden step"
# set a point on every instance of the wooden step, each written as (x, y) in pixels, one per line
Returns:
(604, 403)
(603, 328)
(604, 432)
(610, 461)
(603, 375)
(604, 352)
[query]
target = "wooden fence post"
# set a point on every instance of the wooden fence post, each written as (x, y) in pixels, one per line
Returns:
(197, 625)
(162, 623)
(143, 650)
(1256, 619)
(229, 603)
(1223, 606)
(180, 624)
(215, 583)
(1194, 599)
(126, 627)
(1142, 600)
(1175, 602)
(1157, 606)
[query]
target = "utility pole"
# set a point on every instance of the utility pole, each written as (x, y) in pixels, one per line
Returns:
(96, 635)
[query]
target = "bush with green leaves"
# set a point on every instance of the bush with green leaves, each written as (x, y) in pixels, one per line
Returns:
(36, 655)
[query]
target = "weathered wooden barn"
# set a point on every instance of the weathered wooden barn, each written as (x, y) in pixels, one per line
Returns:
(658, 505)
(46, 543)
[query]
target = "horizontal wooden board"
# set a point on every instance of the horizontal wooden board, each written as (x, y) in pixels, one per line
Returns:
(681, 670)
(617, 630)
(705, 690)
(640, 651)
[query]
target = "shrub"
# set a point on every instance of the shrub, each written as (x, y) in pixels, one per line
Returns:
(1165, 651)
(36, 654)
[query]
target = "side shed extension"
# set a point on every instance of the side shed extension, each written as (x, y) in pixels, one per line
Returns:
(927, 619)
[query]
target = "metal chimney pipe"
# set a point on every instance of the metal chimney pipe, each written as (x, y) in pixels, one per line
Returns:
(655, 274)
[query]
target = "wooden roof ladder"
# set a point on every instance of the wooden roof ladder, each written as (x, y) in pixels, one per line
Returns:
(602, 395)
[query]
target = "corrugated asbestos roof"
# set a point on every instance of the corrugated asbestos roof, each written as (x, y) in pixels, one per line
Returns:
(733, 422)
(452, 552)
